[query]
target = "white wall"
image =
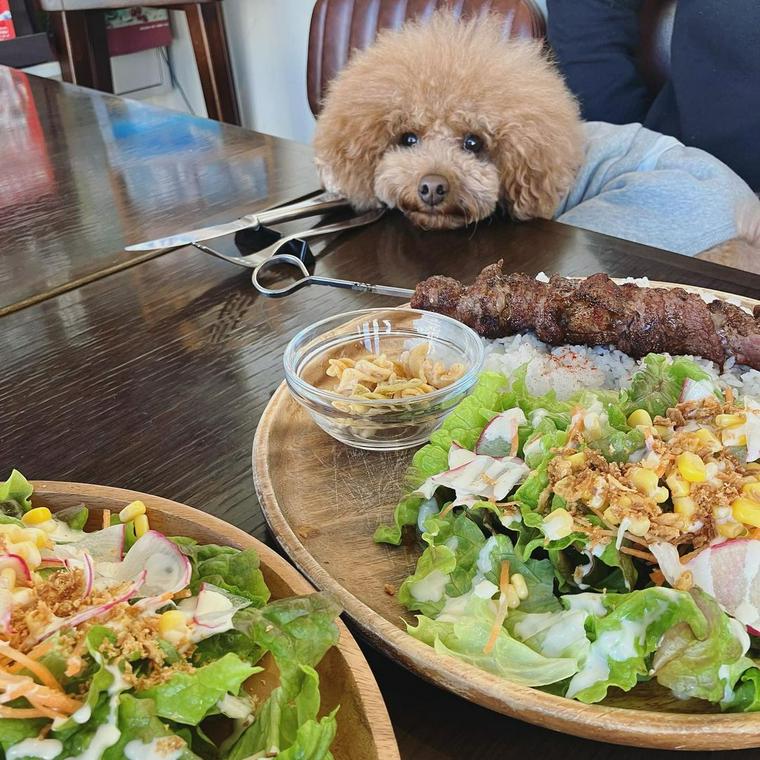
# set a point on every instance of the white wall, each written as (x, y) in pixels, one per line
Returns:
(268, 42)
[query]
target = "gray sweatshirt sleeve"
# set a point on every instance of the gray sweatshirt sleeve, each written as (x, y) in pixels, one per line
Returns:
(642, 186)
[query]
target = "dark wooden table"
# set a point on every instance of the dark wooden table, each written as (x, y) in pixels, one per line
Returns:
(83, 174)
(154, 378)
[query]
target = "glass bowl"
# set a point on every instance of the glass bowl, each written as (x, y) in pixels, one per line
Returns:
(387, 423)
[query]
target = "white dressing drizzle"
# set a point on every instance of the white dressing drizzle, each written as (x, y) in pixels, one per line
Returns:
(154, 750)
(44, 749)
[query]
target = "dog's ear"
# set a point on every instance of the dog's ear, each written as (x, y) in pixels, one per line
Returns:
(352, 134)
(538, 157)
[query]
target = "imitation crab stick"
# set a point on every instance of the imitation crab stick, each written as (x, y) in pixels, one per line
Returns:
(501, 612)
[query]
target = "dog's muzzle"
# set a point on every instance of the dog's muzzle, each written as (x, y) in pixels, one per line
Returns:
(433, 189)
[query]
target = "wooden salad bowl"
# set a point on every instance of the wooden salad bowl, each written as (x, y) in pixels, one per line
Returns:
(323, 501)
(364, 728)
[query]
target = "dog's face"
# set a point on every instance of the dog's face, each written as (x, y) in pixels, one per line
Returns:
(440, 176)
(447, 121)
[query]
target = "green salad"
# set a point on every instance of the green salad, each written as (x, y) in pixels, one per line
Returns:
(125, 643)
(592, 544)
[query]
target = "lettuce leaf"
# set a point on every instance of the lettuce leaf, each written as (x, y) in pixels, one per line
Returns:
(14, 495)
(466, 636)
(297, 631)
(188, 697)
(15, 730)
(657, 385)
(230, 569)
(746, 696)
(424, 589)
(404, 514)
(139, 722)
(623, 639)
(704, 668)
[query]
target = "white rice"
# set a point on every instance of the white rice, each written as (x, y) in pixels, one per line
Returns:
(568, 369)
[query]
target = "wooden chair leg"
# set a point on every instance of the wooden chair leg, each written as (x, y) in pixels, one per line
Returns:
(206, 24)
(82, 48)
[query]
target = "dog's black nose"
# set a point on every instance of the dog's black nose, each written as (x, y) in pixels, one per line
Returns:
(432, 189)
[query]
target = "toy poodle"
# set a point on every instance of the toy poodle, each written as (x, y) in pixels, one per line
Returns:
(449, 122)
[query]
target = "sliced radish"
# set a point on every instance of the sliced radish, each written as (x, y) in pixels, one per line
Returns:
(91, 612)
(729, 571)
(459, 455)
(18, 565)
(499, 434)
(752, 428)
(84, 563)
(483, 477)
(695, 390)
(52, 562)
(167, 568)
(6, 609)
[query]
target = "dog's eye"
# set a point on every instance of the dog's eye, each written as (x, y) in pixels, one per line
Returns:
(408, 139)
(472, 143)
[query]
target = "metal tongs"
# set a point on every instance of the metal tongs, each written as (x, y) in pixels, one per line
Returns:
(256, 223)
(286, 260)
(254, 260)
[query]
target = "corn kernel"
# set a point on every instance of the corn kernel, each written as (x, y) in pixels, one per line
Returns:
(131, 511)
(665, 432)
(141, 525)
(36, 516)
(691, 467)
(734, 435)
(643, 480)
(521, 587)
(729, 420)
(638, 526)
(731, 529)
(677, 485)
(577, 460)
(40, 538)
(685, 581)
(592, 428)
(7, 578)
(746, 511)
(684, 506)
(639, 417)
(710, 440)
(610, 516)
(172, 620)
(510, 594)
(661, 495)
(752, 490)
(558, 524)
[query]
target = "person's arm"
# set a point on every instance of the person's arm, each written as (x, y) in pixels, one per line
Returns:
(595, 44)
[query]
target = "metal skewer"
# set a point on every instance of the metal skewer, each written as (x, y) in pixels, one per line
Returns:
(285, 259)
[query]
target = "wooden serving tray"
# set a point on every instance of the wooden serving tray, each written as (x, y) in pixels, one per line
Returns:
(323, 501)
(364, 728)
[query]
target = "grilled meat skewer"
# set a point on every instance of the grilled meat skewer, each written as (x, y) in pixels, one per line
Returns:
(596, 312)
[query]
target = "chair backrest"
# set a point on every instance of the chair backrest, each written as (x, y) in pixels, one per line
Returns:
(338, 27)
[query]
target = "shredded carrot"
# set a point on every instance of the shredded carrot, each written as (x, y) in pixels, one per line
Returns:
(515, 445)
(38, 669)
(729, 394)
(504, 576)
(55, 699)
(24, 712)
(755, 535)
(501, 612)
(106, 518)
(446, 510)
(641, 555)
(39, 651)
(657, 577)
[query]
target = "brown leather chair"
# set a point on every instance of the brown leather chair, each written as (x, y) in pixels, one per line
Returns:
(339, 27)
